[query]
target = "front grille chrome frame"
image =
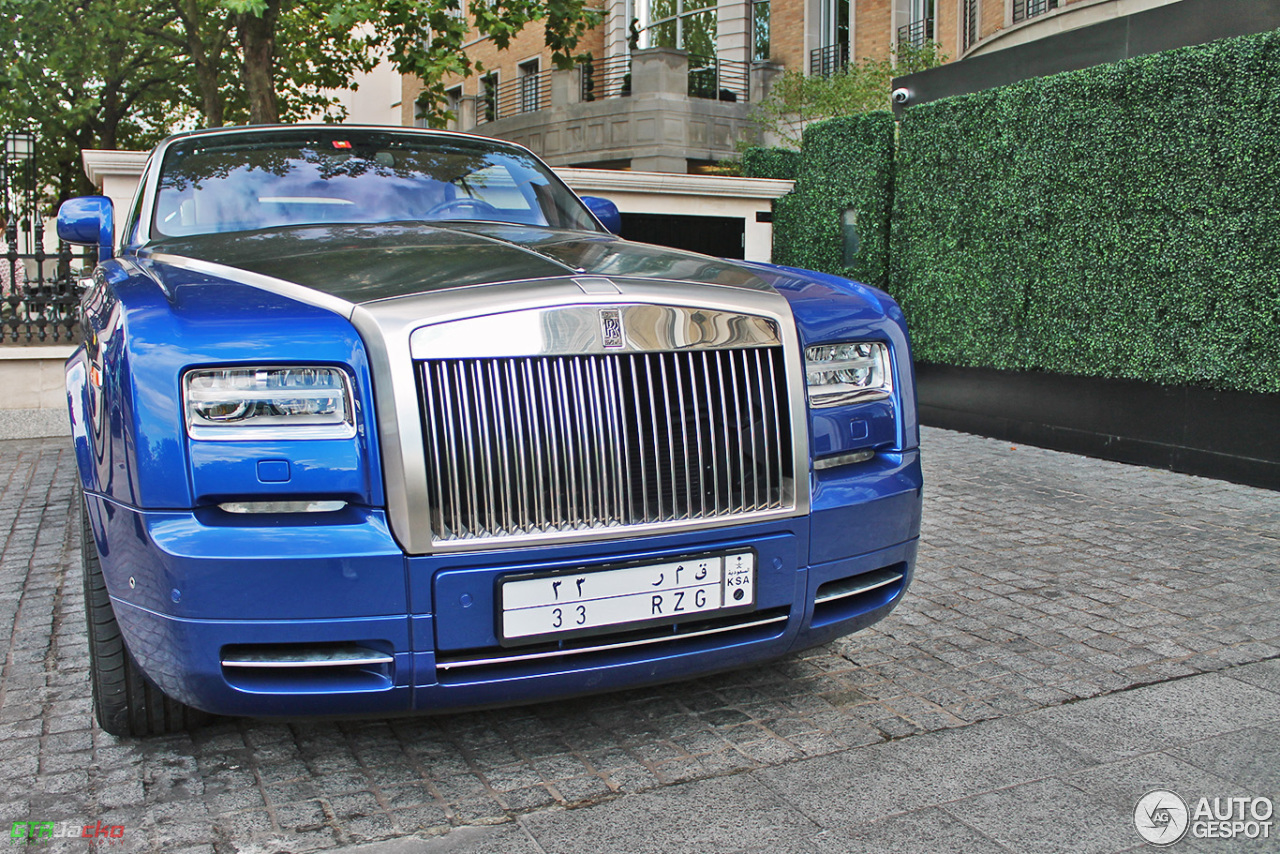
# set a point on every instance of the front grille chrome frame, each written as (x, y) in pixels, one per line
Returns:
(388, 327)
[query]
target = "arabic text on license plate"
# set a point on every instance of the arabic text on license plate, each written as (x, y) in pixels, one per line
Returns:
(656, 593)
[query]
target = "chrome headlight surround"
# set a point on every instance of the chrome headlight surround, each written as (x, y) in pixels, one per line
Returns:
(268, 402)
(848, 372)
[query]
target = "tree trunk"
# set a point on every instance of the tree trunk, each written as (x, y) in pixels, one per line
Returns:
(200, 23)
(258, 41)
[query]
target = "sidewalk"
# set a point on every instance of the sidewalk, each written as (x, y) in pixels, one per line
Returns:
(1078, 634)
(1064, 779)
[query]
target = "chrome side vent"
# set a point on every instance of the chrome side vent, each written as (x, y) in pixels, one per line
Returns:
(857, 594)
(528, 445)
(307, 667)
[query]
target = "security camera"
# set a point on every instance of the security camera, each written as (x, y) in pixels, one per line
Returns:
(901, 95)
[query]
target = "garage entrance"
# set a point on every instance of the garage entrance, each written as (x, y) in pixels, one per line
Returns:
(721, 236)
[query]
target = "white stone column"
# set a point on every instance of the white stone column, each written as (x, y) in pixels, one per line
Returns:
(733, 30)
(115, 174)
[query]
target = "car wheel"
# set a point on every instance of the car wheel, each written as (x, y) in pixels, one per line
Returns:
(124, 701)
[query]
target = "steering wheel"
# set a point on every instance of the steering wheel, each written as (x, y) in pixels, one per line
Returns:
(480, 209)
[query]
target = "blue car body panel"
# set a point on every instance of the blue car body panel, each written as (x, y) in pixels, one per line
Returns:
(189, 580)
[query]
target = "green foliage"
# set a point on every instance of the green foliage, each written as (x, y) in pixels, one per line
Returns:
(79, 79)
(796, 100)
(844, 163)
(1119, 221)
(778, 163)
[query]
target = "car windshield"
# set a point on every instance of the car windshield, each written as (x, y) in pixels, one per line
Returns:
(244, 182)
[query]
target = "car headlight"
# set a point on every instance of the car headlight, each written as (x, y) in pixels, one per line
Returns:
(855, 372)
(268, 402)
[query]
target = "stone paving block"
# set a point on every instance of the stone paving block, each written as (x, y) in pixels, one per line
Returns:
(743, 817)
(1124, 782)
(1248, 757)
(1047, 817)
(1264, 674)
(508, 838)
(1143, 720)
(927, 831)
(849, 789)
(1043, 578)
(983, 757)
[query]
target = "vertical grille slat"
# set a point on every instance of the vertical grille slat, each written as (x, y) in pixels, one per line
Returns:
(769, 428)
(524, 446)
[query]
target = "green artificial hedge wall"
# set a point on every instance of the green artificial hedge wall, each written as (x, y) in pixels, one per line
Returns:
(778, 163)
(1119, 221)
(844, 163)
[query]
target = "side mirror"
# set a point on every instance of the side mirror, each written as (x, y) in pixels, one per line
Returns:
(605, 211)
(88, 221)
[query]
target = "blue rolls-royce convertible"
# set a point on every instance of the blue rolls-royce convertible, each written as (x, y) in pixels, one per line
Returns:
(372, 420)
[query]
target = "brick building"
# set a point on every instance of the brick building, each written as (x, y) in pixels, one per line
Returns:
(678, 97)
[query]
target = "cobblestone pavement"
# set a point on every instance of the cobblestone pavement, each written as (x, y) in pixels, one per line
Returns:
(1043, 578)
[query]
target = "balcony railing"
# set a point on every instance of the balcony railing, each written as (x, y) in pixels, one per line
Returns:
(825, 61)
(1024, 9)
(41, 297)
(606, 78)
(526, 94)
(719, 79)
(970, 23)
(916, 33)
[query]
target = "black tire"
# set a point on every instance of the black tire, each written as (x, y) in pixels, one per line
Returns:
(124, 701)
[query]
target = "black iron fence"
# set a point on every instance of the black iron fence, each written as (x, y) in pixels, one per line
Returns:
(526, 94)
(719, 79)
(825, 61)
(1023, 9)
(606, 78)
(39, 290)
(916, 33)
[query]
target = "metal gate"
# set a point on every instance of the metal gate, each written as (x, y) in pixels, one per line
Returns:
(39, 294)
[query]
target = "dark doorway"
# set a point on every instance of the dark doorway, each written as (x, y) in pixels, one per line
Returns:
(721, 236)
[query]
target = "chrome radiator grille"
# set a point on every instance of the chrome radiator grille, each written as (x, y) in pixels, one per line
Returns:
(529, 445)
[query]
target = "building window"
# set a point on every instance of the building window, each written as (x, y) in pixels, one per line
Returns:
(488, 106)
(453, 101)
(530, 86)
(760, 31)
(833, 55)
(687, 24)
(915, 22)
(1024, 9)
(969, 23)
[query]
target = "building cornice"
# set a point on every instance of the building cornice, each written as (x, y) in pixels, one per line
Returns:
(99, 164)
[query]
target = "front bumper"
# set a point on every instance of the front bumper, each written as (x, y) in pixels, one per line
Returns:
(193, 590)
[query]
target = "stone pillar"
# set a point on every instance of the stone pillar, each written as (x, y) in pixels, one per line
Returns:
(660, 71)
(763, 75)
(467, 113)
(566, 87)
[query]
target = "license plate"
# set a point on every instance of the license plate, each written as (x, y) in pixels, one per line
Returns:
(567, 605)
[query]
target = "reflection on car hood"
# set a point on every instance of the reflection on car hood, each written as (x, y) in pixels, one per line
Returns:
(361, 263)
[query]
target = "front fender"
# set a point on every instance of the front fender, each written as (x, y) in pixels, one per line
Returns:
(77, 384)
